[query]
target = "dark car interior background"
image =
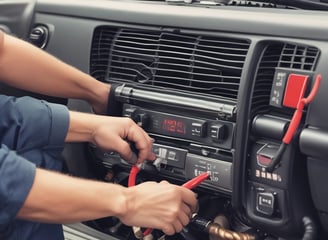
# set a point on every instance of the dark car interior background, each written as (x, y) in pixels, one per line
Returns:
(231, 88)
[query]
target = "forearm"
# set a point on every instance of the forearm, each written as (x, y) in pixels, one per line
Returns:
(58, 198)
(27, 67)
(82, 126)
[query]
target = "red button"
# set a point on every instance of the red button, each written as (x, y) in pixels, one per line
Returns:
(263, 161)
(295, 89)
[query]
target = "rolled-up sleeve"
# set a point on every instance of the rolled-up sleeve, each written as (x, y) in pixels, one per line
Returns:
(32, 134)
(17, 176)
(27, 123)
(34, 129)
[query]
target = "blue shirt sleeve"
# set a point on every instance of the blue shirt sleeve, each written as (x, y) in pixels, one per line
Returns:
(17, 176)
(32, 134)
(35, 129)
(27, 123)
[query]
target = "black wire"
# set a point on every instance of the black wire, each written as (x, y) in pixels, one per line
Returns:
(277, 158)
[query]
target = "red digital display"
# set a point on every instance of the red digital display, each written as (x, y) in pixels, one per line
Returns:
(174, 126)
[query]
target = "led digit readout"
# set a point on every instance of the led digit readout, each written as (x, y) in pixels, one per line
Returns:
(174, 126)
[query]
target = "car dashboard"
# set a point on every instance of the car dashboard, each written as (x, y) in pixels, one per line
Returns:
(236, 90)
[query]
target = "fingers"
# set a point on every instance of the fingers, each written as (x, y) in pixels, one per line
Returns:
(186, 214)
(142, 142)
(162, 206)
(129, 136)
(189, 198)
(184, 211)
(180, 222)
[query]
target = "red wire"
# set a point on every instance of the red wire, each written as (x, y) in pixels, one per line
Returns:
(294, 123)
(147, 231)
(133, 175)
(314, 90)
(296, 119)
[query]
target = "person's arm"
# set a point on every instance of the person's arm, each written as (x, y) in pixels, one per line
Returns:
(47, 196)
(57, 198)
(24, 66)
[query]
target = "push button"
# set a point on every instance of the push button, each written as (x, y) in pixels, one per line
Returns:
(265, 203)
(198, 129)
(217, 132)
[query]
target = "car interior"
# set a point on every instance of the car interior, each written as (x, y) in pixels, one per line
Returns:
(231, 88)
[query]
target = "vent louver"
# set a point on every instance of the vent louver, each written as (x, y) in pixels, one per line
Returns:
(187, 62)
(100, 50)
(298, 57)
(283, 55)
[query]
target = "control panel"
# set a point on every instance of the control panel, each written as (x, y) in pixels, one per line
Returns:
(217, 133)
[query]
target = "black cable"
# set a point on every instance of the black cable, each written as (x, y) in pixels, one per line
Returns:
(277, 158)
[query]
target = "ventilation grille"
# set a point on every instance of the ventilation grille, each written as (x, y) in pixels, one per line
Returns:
(288, 56)
(100, 49)
(186, 62)
(298, 57)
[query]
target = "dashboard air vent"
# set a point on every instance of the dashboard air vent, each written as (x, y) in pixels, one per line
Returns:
(282, 55)
(100, 49)
(170, 59)
(298, 57)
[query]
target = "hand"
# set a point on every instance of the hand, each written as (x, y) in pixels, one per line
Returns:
(161, 206)
(110, 134)
(115, 133)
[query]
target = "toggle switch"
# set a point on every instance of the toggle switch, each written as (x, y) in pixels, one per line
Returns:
(295, 89)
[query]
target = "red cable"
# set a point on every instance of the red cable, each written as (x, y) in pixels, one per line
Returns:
(133, 175)
(296, 119)
(314, 90)
(294, 123)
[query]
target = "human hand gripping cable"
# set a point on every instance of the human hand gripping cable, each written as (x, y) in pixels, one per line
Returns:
(132, 182)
